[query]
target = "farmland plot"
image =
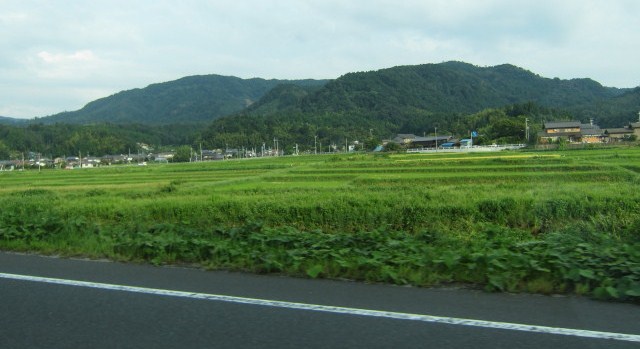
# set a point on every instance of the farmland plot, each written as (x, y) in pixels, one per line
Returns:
(566, 222)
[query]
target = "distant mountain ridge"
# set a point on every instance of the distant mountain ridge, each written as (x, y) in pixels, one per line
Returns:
(192, 99)
(5, 120)
(216, 111)
(402, 97)
(418, 98)
(448, 87)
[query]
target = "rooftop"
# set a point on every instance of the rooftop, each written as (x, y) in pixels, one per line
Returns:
(562, 124)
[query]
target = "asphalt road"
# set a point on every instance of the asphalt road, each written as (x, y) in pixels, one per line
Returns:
(63, 303)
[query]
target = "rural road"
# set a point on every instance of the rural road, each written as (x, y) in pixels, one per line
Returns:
(49, 302)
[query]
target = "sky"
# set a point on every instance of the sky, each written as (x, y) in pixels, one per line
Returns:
(59, 55)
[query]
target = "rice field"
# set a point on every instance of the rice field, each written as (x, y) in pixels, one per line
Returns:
(420, 219)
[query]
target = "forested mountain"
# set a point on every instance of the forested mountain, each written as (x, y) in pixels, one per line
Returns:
(11, 121)
(613, 112)
(455, 97)
(416, 99)
(450, 87)
(193, 99)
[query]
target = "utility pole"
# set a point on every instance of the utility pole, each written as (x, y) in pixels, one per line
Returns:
(315, 149)
(436, 138)
(526, 129)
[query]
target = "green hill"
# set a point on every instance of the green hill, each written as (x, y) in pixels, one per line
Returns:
(4, 120)
(449, 87)
(193, 99)
(416, 99)
(455, 97)
(613, 112)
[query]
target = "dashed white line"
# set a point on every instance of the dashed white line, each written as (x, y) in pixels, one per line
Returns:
(333, 309)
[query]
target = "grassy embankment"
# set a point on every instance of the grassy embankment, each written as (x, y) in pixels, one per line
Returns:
(545, 222)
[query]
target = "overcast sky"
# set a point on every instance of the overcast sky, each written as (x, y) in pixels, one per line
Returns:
(59, 55)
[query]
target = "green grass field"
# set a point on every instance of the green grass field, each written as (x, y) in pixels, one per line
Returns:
(546, 222)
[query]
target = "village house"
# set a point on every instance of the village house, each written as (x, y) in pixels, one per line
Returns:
(411, 140)
(590, 133)
(625, 133)
(618, 134)
(572, 132)
(576, 132)
(7, 165)
(208, 155)
(556, 130)
(114, 159)
(635, 126)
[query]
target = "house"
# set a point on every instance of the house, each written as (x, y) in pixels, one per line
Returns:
(590, 133)
(466, 143)
(208, 155)
(556, 130)
(94, 161)
(572, 132)
(165, 157)
(7, 165)
(404, 138)
(413, 141)
(624, 133)
(635, 126)
(618, 134)
(114, 159)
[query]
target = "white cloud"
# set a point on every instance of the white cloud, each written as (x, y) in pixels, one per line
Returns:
(12, 18)
(72, 66)
(66, 59)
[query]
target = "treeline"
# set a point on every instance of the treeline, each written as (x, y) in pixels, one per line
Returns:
(494, 125)
(65, 139)
(319, 131)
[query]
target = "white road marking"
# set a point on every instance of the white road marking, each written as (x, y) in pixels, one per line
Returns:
(332, 309)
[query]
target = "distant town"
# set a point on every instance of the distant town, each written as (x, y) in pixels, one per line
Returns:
(554, 134)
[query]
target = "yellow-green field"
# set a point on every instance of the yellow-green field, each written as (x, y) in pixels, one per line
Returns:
(520, 221)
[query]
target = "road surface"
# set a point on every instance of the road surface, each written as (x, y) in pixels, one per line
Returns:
(48, 302)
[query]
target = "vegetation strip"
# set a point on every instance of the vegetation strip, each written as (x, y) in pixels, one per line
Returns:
(332, 309)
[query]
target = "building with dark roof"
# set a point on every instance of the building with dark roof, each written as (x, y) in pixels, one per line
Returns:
(556, 130)
(576, 132)
(411, 140)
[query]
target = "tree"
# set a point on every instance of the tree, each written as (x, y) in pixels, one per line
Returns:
(391, 146)
(183, 154)
(5, 152)
(371, 143)
(507, 130)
